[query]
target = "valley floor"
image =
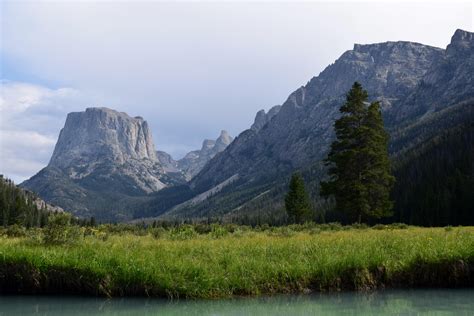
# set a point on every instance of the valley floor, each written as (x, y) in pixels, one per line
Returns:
(241, 262)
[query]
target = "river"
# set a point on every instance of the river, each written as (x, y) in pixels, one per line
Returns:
(388, 302)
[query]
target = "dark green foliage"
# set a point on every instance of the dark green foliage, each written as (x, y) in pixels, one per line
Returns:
(17, 206)
(435, 183)
(60, 230)
(297, 203)
(359, 173)
(377, 177)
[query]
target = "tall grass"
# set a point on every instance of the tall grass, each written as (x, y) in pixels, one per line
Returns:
(245, 262)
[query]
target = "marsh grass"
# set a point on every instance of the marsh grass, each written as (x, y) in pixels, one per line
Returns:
(181, 262)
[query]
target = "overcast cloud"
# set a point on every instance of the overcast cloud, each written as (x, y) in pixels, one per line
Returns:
(190, 69)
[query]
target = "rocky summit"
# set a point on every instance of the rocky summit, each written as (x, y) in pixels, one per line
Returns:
(101, 138)
(101, 157)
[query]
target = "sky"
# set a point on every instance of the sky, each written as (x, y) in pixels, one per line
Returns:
(190, 69)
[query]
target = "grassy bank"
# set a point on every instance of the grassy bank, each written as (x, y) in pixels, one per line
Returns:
(182, 263)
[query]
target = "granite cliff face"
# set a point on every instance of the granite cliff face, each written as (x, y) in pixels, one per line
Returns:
(101, 138)
(101, 157)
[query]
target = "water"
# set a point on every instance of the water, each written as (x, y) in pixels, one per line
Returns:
(389, 302)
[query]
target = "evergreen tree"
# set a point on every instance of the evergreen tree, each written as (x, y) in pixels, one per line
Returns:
(376, 171)
(17, 206)
(297, 203)
(359, 173)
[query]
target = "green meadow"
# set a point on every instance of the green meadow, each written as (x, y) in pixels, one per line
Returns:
(191, 262)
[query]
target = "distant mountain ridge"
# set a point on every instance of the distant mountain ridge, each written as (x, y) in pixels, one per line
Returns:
(412, 81)
(195, 160)
(422, 89)
(105, 159)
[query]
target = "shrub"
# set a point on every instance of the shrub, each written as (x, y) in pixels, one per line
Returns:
(218, 231)
(359, 226)
(158, 232)
(182, 232)
(15, 231)
(315, 231)
(202, 229)
(281, 232)
(399, 225)
(59, 230)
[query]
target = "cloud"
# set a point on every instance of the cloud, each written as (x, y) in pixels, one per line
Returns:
(190, 69)
(31, 118)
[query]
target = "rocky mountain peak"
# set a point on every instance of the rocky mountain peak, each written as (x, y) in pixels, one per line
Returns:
(388, 69)
(223, 140)
(462, 44)
(262, 118)
(101, 133)
(195, 160)
(208, 144)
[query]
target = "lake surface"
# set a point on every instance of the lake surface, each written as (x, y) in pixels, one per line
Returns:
(388, 302)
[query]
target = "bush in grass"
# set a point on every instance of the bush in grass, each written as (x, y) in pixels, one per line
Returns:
(182, 232)
(34, 235)
(217, 231)
(15, 231)
(399, 225)
(158, 232)
(202, 229)
(283, 231)
(359, 226)
(379, 227)
(231, 228)
(59, 230)
(262, 228)
(315, 231)
(335, 226)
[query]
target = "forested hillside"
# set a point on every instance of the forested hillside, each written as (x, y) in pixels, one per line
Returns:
(20, 207)
(435, 181)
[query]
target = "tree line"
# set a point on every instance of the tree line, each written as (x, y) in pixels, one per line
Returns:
(18, 206)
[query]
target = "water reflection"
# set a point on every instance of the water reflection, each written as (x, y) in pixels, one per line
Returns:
(390, 302)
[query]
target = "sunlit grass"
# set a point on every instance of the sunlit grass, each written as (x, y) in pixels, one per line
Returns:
(248, 263)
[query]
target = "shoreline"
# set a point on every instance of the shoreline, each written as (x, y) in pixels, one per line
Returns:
(24, 279)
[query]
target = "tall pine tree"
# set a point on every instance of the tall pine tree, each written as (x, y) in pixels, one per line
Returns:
(359, 167)
(297, 203)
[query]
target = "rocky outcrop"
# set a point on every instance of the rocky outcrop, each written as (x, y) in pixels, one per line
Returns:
(102, 140)
(101, 157)
(167, 162)
(448, 81)
(263, 118)
(193, 162)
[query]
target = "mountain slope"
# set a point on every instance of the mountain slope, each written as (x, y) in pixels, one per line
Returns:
(396, 73)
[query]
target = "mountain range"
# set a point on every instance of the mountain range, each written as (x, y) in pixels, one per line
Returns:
(105, 164)
(104, 161)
